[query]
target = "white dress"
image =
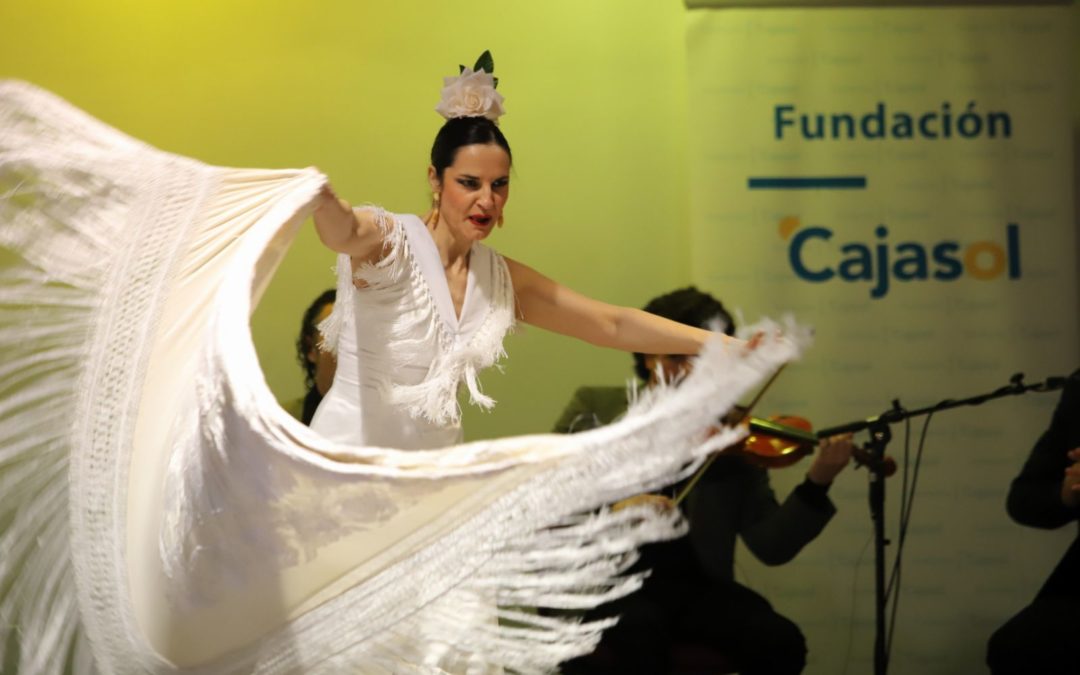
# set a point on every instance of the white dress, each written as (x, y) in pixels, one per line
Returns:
(403, 350)
(159, 511)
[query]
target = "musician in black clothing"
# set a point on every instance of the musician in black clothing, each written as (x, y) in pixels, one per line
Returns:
(1042, 637)
(691, 595)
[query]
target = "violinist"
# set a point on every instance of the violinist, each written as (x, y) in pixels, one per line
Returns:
(691, 595)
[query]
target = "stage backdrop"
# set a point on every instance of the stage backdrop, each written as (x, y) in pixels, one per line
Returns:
(902, 180)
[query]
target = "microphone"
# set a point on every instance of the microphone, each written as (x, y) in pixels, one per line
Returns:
(1055, 382)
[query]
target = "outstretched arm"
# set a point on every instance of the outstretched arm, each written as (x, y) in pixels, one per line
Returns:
(344, 229)
(546, 304)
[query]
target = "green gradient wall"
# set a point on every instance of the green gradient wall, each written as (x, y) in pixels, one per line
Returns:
(596, 99)
(594, 92)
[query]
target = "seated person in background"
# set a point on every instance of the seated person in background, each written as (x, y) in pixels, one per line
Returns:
(319, 366)
(691, 595)
(1042, 638)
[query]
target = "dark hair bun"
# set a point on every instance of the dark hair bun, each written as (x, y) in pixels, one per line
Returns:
(461, 131)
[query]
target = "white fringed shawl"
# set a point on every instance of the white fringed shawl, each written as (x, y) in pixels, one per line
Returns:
(160, 513)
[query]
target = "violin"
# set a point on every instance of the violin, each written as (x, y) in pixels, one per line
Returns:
(777, 442)
(783, 440)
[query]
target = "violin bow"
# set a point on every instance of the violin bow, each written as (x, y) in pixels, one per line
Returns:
(745, 413)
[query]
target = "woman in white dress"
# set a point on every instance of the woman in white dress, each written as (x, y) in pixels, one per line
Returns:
(160, 512)
(431, 304)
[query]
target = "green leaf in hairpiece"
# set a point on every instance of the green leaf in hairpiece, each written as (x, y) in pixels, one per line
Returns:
(460, 69)
(485, 63)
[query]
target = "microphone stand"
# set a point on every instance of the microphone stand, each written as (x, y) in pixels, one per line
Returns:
(880, 435)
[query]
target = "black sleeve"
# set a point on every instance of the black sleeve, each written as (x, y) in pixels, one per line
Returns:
(743, 503)
(815, 496)
(776, 534)
(1035, 495)
(591, 407)
(576, 416)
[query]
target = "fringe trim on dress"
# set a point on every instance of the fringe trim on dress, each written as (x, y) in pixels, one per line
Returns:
(399, 311)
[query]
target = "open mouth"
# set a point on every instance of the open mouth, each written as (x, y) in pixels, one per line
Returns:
(482, 221)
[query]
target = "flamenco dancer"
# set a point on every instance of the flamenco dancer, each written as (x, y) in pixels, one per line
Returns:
(160, 512)
(432, 304)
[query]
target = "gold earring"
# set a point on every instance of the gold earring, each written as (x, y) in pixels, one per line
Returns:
(433, 219)
(500, 222)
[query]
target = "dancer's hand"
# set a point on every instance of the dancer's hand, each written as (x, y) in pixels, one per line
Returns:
(1070, 487)
(338, 227)
(755, 340)
(328, 199)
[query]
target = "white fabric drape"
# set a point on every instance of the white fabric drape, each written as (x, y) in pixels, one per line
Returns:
(160, 513)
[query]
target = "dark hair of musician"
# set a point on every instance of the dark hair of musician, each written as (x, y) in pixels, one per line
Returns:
(691, 307)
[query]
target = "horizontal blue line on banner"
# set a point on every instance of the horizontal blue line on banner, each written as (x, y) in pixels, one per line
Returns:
(809, 183)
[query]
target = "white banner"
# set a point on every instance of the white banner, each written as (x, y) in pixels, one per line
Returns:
(901, 179)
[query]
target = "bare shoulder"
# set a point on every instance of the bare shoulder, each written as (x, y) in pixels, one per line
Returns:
(373, 225)
(522, 276)
(544, 302)
(372, 218)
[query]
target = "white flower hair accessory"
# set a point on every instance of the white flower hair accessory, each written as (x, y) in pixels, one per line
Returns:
(472, 93)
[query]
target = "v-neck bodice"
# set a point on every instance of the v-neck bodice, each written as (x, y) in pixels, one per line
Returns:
(403, 351)
(426, 254)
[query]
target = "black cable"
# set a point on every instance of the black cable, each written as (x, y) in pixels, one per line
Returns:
(903, 496)
(1016, 387)
(894, 575)
(905, 520)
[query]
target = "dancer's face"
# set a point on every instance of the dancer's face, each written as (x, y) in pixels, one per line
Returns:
(473, 190)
